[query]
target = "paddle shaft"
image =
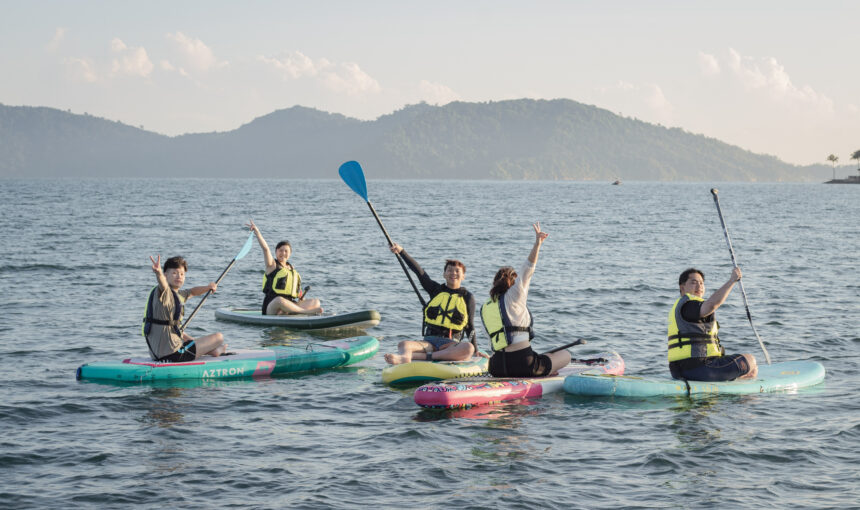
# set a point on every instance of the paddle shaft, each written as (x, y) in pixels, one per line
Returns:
(571, 344)
(206, 296)
(399, 259)
(735, 264)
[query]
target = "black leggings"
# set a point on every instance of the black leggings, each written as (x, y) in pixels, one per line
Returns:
(522, 363)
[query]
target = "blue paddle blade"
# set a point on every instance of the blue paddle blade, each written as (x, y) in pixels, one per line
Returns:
(353, 176)
(245, 249)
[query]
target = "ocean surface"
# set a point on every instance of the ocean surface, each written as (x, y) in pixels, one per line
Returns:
(75, 273)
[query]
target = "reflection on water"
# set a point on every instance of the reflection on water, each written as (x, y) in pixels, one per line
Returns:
(270, 337)
(163, 410)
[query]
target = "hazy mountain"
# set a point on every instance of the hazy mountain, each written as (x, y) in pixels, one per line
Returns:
(518, 139)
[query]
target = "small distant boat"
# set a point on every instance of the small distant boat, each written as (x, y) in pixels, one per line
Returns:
(616, 182)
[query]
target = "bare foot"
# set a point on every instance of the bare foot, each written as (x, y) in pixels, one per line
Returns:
(397, 359)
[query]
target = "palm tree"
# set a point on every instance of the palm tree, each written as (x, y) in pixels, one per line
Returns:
(856, 156)
(833, 159)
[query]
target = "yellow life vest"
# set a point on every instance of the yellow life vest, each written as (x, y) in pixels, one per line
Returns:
(285, 282)
(691, 339)
(447, 313)
(498, 325)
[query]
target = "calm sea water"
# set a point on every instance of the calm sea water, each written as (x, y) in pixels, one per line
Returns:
(74, 273)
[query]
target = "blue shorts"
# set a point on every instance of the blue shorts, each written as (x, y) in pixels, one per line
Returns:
(717, 368)
(439, 341)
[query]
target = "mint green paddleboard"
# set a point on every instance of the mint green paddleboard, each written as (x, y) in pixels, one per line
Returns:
(778, 377)
(237, 364)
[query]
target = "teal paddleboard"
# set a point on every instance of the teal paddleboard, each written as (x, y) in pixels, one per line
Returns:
(238, 364)
(778, 377)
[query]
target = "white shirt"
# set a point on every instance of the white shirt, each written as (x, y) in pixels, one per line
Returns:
(515, 303)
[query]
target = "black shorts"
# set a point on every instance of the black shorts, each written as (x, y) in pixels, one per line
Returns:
(713, 369)
(269, 299)
(522, 363)
(189, 353)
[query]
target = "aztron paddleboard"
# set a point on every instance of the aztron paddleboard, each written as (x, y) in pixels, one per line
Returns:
(238, 364)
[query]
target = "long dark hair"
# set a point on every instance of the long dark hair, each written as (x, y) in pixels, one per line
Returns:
(503, 281)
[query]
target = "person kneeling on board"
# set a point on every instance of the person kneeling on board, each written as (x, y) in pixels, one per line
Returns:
(448, 317)
(163, 317)
(509, 322)
(695, 352)
(282, 283)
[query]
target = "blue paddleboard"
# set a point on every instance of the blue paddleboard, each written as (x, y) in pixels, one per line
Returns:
(778, 377)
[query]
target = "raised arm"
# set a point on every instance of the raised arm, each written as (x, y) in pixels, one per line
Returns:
(159, 276)
(426, 282)
(719, 297)
(267, 253)
(539, 239)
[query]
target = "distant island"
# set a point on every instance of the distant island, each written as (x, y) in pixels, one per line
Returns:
(518, 139)
(851, 179)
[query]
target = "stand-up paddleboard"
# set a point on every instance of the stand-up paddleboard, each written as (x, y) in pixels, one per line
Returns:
(785, 377)
(357, 320)
(490, 390)
(241, 363)
(418, 372)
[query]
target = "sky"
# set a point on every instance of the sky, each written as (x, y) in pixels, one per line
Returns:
(774, 77)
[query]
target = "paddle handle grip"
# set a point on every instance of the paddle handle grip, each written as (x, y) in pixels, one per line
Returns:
(571, 344)
(399, 259)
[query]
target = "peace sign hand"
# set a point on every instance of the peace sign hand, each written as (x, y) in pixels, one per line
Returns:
(156, 264)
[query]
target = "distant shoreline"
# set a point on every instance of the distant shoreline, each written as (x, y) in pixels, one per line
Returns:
(851, 179)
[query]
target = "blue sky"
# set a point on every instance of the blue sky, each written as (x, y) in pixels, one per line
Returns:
(778, 78)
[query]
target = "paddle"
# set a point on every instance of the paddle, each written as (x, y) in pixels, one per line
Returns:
(571, 344)
(353, 176)
(714, 192)
(244, 251)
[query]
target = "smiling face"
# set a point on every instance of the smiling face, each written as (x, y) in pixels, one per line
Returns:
(694, 285)
(283, 253)
(175, 277)
(454, 276)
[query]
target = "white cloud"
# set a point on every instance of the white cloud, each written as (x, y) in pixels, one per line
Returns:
(708, 64)
(54, 44)
(655, 98)
(769, 77)
(82, 69)
(348, 78)
(645, 101)
(130, 61)
(295, 65)
(344, 78)
(436, 93)
(195, 53)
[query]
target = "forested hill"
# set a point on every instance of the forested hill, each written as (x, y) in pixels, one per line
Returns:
(517, 139)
